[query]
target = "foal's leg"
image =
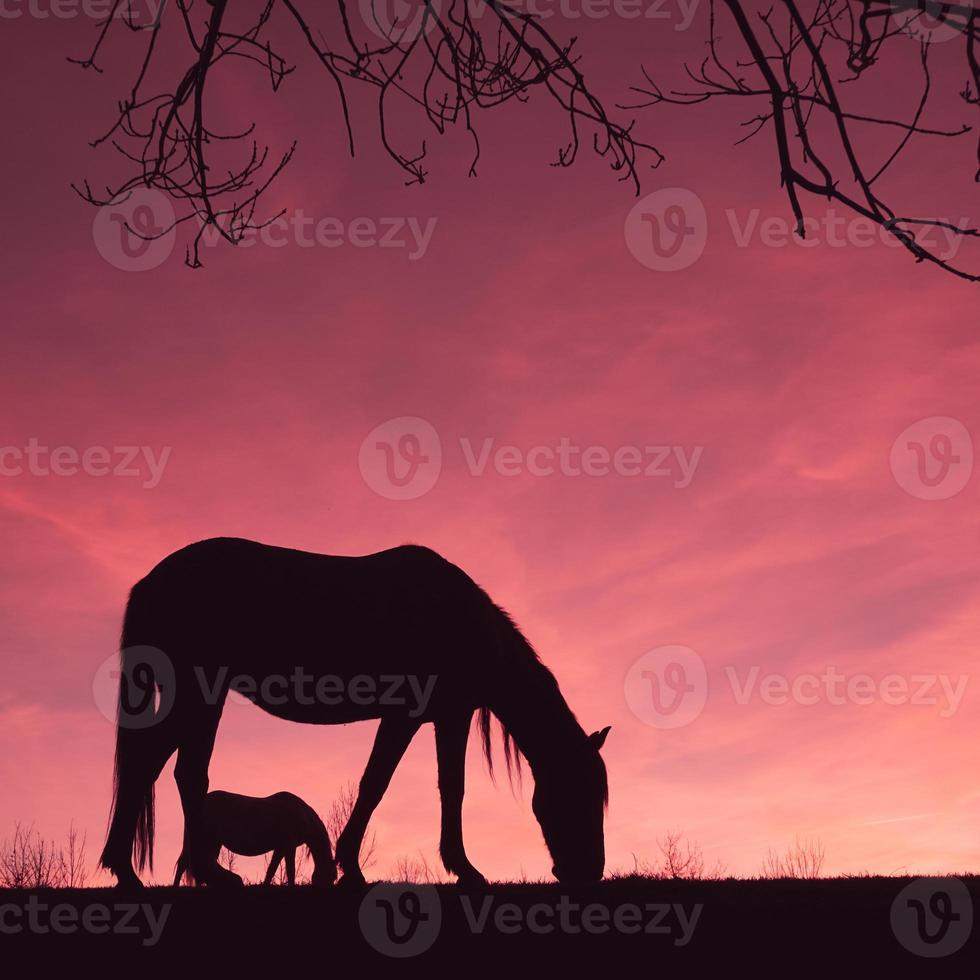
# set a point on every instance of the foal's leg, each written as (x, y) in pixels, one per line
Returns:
(291, 867)
(394, 734)
(451, 735)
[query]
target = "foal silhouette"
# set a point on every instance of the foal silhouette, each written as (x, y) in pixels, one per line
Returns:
(230, 614)
(253, 825)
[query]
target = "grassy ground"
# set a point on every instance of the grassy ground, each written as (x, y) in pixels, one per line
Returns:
(769, 927)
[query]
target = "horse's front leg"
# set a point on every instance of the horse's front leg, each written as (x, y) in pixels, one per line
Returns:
(277, 857)
(291, 866)
(390, 743)
(452, 733)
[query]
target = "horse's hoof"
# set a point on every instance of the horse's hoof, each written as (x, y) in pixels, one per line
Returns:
(127, 880)
(473, 880)
(351, 881)
(129, 885)
(324, 877)
(221, 878)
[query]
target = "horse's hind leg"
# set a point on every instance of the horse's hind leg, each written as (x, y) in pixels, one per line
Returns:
(291, 867)
(182, 862)
(141, 756)
(191, 773)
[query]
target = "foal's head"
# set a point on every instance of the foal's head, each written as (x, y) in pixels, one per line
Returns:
(324, 865)
(569, 802)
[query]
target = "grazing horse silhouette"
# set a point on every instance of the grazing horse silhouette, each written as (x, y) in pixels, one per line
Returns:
(307, 638)
(252, 825)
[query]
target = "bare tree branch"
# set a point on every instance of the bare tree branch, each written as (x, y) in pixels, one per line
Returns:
(28, 860)
(803, 860)
(340, 810)
(455, 57)
(797, 57)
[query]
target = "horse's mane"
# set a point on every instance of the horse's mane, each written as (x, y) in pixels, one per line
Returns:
(512, 643)
(512, 754)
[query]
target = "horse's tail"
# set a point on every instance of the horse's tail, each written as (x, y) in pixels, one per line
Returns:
(486, 736)
(137, 749)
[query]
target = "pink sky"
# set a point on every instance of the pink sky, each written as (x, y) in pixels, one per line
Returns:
(794, 548)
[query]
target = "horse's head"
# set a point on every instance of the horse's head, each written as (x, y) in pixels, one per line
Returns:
(569, 802)
(324, 875)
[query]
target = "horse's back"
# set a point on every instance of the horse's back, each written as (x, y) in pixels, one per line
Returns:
(220, 582)
(223, 560)
(266, 615)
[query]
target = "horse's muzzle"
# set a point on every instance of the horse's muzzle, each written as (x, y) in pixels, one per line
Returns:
(577, 876)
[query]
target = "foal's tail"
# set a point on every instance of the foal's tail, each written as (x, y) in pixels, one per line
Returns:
(138, 745)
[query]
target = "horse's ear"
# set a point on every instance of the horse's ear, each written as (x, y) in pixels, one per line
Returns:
(598, 739)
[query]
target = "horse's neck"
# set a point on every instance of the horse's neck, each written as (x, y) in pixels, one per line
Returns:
(531, 707)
